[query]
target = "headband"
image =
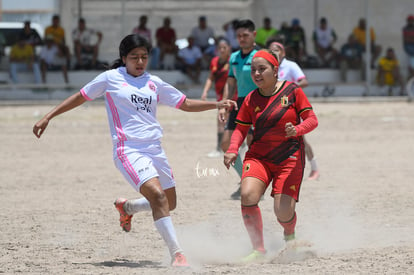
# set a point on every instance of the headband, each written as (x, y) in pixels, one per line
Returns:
(268, 56)
(279, 45)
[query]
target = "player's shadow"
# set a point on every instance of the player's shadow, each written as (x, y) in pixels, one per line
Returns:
(130, 264)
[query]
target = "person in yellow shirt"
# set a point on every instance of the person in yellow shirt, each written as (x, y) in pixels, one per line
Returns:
(58, 33)
(389, 72)
(22, 58)
(359, 34)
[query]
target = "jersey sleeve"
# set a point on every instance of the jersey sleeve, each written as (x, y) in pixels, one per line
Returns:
(169, 95)
(298, 74)
(302, 101)
(96, 87)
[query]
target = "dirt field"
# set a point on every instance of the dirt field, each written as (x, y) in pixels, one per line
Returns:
(57, 196)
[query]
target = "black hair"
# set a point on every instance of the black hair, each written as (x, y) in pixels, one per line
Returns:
(245, 24)
(222, 39)
(127, 44)
(272, 39)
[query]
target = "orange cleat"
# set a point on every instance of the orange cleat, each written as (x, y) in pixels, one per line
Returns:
(124, 218)
(314, 175)
(179, 260)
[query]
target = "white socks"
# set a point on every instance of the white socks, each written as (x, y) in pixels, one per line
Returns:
(166, 229)
(134, 206)
(314, 165)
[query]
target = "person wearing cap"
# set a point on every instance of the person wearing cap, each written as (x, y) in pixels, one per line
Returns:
(324, 37)
(297, 42)
(281, 114)
(52, 58)
(408, 43)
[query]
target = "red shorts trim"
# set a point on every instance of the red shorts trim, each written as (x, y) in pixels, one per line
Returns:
(286, 177)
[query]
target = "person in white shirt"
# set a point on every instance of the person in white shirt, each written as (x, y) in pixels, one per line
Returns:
(131, 97)
(86, 42)
(324, 38)
(52, 58)
(290, 71)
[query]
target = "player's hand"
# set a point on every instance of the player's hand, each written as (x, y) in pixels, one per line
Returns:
(227, 104)
(290, 130)
(40, 127)
(204, 97)
(229, 159)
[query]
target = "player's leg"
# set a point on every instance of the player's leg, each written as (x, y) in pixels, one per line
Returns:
(158, 200)
(286, 186)
(253, 186)
(314, 174)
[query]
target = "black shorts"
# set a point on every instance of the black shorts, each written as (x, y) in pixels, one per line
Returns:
(231, 122)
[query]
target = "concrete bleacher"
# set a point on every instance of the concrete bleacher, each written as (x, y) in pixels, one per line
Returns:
(322, 83)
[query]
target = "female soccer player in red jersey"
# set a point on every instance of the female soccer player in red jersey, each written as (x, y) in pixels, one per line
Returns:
(281, 114)
(219, 69)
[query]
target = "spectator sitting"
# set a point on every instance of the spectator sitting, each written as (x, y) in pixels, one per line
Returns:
(389, 72)
(297, 42)
(86, 42)
(190, 60)
(408, 44)
(323, 38)
(22, 58)
(263, 33)
(30, 36)
(58, 34)
(351, 58)
(52, 58)
(359, 33)
(166, 37)
(201, 35)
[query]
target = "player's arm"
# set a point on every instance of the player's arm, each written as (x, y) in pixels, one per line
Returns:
(237, 138)
(194, 105)
(207, 86)
(229, 88)
(68, 104)
(303, 82)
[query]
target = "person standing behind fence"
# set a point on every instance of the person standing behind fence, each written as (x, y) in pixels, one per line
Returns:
(131, 98)
(281, 114)
(219, 69)
(290, 71)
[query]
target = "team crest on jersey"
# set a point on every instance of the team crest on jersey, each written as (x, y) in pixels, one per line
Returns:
(247, 167)
(257, 109)
(293, 188)
(151, 85)
(284, 101)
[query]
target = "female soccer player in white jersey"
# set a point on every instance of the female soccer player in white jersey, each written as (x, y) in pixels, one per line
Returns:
(131, 98)
(291, 71)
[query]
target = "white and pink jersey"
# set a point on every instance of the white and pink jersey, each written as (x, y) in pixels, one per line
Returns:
(290, 71)
(131, 104)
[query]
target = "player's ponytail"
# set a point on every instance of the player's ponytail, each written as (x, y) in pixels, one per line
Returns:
(127, 44)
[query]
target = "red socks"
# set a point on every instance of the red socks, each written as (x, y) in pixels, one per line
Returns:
(252, 218)
(289, 226)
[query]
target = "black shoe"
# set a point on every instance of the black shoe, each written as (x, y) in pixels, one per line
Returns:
(236, 195)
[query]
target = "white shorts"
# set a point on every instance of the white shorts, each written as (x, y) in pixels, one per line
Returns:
(139, 165)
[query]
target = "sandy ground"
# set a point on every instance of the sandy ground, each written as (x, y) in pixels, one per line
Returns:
(57, 196)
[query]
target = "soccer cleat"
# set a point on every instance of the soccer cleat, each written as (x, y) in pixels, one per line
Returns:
(179, 260)
(124, 218)
(290, 237)
(314, 175)
(255, 256)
